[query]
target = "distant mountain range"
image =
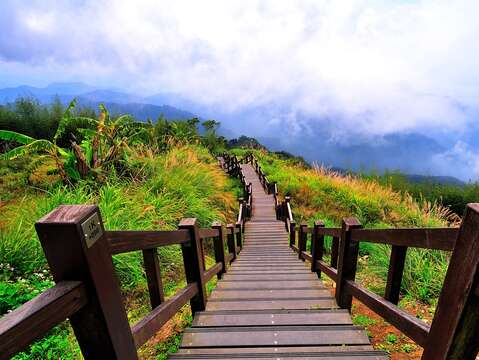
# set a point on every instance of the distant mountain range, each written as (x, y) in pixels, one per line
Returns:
(116, 101)
(276, 126)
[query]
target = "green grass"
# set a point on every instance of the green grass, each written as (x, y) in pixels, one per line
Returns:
(319, 194)
(183, 182)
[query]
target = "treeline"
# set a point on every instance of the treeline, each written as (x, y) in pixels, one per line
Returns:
(29, 117)
(454, 196)
(84, 144)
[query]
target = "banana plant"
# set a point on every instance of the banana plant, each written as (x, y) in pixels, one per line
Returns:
(64, 159)
(104, 145)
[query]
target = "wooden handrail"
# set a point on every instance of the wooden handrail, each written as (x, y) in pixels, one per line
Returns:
(330, 231)
(36, 317)
(151, 323)
(212, 271)
(449, 336)
(427, 238)
(413, 327)
(85, 253)
(126, 241)
(209, 233)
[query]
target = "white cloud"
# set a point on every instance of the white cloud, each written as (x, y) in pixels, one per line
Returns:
(461, 161)
(378, 66)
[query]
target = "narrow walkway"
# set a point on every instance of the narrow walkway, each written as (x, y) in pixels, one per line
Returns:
(270, 305)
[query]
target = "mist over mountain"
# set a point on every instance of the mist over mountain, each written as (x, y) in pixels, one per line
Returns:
(117, 102)
(279, 127)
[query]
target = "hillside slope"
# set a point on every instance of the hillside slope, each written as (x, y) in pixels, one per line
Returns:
(184, 181)
(321, 194)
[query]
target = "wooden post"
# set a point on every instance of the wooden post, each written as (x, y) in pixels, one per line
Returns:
(334, 252)
(230, 234)
(243, 210)
(454, 330)
(302, 239)
(72, 237)
(193, 261)
(239, 236)
(219, 246)
(231, 245)
(317, 247)
(395, 272)
(292, 234)
(347, 262)
(151, 264)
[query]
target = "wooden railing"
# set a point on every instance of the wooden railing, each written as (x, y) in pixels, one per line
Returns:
(269, 187)
(454, 330)
(232, 165)
(79, 253)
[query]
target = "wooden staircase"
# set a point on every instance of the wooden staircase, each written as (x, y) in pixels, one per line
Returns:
(269, 305)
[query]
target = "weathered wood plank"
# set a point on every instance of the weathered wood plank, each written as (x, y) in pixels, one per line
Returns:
(278, 317)
(261, 304)
(268, 294)
(126, 241)
(268, 285)
(36, 317)
(274, 336)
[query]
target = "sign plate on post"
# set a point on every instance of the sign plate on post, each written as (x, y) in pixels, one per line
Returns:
(92, 230)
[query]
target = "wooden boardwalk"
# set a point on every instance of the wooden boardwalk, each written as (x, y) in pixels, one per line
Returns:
(269, 305)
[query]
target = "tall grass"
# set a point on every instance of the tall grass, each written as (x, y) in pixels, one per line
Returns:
(321, 194)
(183, 182)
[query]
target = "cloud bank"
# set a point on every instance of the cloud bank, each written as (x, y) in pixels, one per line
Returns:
(374, 66)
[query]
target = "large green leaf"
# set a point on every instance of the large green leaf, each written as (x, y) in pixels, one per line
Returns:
(8, 135)
(34, 146)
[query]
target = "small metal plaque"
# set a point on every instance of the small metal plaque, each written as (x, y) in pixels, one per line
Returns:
(92, 230)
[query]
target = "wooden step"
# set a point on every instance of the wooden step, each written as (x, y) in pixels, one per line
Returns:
(274, 336)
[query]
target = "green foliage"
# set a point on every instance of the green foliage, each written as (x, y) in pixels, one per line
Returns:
(55, 345)
(320, 194)
(29, 117)
(245, 142)
(181, 182)
(363, 320)
(453, 196)
(142, 175)
(391, 338)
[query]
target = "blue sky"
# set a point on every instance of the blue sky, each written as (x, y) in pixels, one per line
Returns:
(376, 66)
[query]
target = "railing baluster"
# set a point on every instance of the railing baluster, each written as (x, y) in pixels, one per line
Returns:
(194, 264)
(302, 240)
(317, 247)
(153, 277)
(219, 246)
(239, 236)
(347, 262)
(334, 252)
(231, 244)
(395, 273)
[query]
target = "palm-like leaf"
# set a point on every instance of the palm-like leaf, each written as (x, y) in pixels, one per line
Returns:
(33, 147)
(8, 135)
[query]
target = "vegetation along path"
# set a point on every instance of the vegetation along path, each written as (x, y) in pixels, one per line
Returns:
(270, 305)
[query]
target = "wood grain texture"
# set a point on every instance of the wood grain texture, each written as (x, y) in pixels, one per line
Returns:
(126, 241)
(433, 238)
(36, 317)
(455, 328)
(101, 326)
